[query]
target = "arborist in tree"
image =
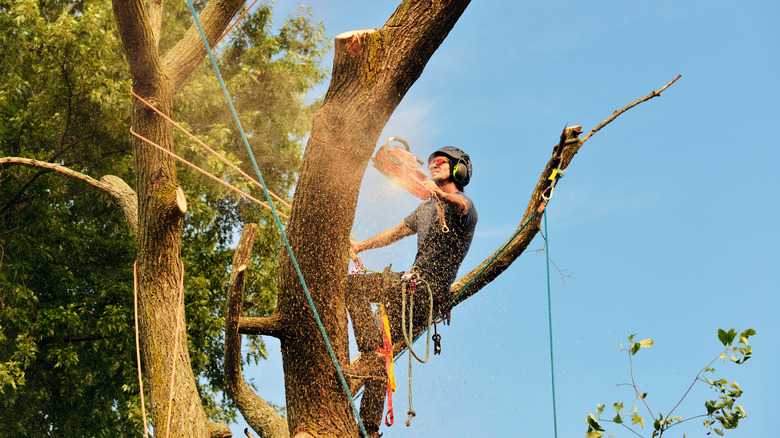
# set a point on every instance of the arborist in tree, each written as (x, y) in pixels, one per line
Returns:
(444, 225)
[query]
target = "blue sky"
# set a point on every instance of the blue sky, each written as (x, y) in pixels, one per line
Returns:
(663, 223)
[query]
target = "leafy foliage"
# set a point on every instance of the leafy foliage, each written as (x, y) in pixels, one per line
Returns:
(67, 352)
(721, 413)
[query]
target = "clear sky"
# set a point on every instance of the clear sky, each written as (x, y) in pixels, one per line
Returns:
(663, 223)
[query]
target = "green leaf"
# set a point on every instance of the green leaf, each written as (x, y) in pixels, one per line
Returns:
(723, 336)
(719, 432)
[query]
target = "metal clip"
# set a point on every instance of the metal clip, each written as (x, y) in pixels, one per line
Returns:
(436, 340)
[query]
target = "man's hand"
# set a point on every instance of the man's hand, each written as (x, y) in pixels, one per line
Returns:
(455, 201)
(433, 187)
(355, 247)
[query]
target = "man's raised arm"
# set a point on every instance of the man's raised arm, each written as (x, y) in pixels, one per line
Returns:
(387, 237)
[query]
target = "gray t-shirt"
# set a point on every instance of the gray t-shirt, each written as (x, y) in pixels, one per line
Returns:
(440, 254)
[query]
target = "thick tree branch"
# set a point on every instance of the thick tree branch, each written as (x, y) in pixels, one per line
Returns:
(121, 193)
(138, 39)
(256, 411)
(190, 51)
(267, 326)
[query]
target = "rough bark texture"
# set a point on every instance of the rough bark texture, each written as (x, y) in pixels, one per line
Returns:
(372, 71)
(161, 210)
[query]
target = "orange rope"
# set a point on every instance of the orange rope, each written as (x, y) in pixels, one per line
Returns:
(138, 348)
(235, 22)
(175, 353)
(217, 154)
(231, 187)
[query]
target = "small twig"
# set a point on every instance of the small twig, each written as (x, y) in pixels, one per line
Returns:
(633, 384)
(631, 430)
(626, 108)
(696, 379)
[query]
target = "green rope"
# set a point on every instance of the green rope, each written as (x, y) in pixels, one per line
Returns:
(278, 221)
(549, 314)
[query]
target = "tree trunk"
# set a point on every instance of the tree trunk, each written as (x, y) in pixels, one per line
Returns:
(161, 209)
(372, 71)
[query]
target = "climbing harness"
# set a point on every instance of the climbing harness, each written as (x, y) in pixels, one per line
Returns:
(297, 268)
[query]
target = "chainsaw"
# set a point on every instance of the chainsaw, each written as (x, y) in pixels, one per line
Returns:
(400, 166)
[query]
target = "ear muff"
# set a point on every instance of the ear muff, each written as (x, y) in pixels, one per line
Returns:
(460, 172)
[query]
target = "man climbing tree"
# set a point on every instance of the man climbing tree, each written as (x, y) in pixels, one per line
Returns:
(444, 225)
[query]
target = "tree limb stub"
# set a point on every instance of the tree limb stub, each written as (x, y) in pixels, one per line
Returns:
(256, 411)
(266, 326)
(219, 430)
(123, 196)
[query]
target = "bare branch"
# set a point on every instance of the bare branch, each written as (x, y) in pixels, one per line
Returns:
(257, 412)
(121, 193)
(628, 107)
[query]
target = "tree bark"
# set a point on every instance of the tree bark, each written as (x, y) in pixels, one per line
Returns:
(372, 71)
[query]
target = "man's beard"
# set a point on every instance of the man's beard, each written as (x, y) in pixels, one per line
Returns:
(441, 180)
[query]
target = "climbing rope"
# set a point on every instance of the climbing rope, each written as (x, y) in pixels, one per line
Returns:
(549, 314)
(278, 223)
(204, 172)
(138, 347)
(205, 146)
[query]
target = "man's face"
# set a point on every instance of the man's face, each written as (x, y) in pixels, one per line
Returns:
(440, 169)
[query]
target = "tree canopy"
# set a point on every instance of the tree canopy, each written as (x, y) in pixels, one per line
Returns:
(67, 355)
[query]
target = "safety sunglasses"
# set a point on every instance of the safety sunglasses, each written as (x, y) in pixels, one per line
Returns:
(438, 161)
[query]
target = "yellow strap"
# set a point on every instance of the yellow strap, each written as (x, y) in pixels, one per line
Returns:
(386, 326)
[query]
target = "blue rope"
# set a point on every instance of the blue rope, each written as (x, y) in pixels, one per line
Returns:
(278, 221)
(549, 314)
